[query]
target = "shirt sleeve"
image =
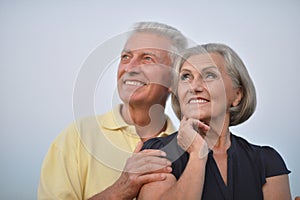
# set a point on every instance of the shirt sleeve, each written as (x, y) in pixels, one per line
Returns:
(175, 154)
(274, 165)
(59, 177)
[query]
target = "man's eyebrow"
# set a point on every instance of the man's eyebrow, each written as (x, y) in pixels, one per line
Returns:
(143, 53)
(126, 51)
(150, 53)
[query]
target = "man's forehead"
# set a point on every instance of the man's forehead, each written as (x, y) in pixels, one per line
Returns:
(147, 41)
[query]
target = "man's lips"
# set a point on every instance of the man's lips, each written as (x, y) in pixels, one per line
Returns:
(134, 83)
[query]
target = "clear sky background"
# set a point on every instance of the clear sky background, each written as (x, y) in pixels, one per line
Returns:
(43, 45)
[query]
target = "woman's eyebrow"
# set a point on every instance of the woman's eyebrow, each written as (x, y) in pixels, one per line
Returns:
(209, 67)
(199, 70)
(184, 70)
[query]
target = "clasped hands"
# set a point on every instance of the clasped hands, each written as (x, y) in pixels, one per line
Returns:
(151, 165)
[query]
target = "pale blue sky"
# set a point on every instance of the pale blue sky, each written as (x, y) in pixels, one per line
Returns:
(45, 43)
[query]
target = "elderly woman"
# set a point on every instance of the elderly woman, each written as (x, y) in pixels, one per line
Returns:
(214, 91)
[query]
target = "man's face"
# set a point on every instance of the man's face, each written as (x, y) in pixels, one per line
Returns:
(144, 73)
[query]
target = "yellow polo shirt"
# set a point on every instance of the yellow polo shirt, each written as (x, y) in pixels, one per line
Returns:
(88, 156)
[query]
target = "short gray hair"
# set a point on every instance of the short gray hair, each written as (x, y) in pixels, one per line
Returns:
(238, 74)
(178, 40)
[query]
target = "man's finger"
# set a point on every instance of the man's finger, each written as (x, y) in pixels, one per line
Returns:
(148, 178)
(138, 147)
(147, 164)
(153, 152)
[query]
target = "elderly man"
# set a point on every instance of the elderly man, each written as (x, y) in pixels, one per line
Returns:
(88, 160)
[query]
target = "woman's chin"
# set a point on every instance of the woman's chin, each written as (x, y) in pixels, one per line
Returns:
(197, 115)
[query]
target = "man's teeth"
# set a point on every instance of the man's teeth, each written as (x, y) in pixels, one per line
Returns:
(198, 101)
(136, 83)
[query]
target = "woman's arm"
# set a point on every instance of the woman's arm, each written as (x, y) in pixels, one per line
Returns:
(155, 190)
(277, 181)
(190, 184)
(277, 188)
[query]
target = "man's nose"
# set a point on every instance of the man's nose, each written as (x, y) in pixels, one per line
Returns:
(133, 65)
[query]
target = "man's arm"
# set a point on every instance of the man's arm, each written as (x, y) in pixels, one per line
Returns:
(59, 177)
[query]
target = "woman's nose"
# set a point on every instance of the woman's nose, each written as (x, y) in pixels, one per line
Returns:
(197, 85)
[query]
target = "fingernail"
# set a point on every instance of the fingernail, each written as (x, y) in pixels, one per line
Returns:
(163, 153)
(168, 162)
(163, 176)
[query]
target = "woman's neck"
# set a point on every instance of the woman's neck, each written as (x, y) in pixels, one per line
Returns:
(222, 144)
(221, 135)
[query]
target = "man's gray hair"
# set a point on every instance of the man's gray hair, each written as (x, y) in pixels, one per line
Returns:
(178, 40)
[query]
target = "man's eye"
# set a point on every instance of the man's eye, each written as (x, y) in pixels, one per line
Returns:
(148, 58)
(124, 57)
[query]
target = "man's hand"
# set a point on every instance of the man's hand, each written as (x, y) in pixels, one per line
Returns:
(142, 167)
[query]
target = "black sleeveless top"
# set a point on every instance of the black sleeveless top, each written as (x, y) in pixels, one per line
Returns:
(248, 167)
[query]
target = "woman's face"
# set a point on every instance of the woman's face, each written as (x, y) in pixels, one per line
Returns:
(205, 90)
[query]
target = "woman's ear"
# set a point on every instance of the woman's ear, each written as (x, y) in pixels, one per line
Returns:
(238, 97)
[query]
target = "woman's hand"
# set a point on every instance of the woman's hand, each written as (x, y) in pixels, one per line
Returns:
(191, 136)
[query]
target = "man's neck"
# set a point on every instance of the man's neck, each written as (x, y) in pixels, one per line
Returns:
(148, 121)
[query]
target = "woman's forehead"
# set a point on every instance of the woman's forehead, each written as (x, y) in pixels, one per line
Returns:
(201, 61)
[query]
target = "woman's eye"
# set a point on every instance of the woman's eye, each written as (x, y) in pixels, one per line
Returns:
(185, 76)
(210, 76)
